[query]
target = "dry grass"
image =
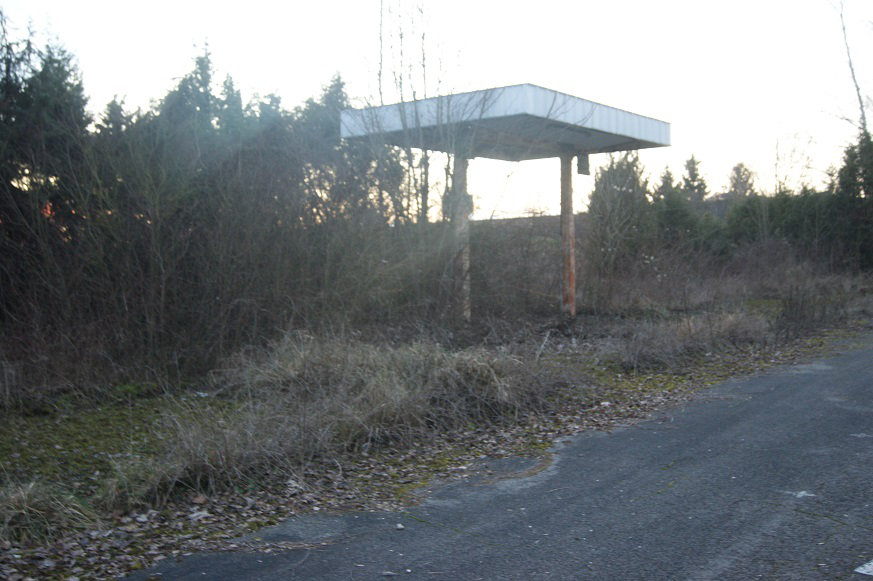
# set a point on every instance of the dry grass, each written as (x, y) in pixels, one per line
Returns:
(35, 513)
(670, 309)
(306, 399)
(669, 343)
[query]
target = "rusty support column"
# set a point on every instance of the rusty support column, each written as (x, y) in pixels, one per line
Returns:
(462, 209)
(568, 239)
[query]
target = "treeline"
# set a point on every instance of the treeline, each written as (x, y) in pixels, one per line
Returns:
(631, 219)
(162, 239)
(149, 244)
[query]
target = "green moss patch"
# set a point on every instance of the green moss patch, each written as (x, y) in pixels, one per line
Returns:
(78, 448)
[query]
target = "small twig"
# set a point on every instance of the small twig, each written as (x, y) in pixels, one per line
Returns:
(543, 346)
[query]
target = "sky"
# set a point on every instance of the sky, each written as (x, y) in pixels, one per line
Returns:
(760, 82)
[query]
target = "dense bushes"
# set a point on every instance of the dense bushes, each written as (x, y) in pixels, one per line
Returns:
(160, 240)
(150, 244)
(833, 226)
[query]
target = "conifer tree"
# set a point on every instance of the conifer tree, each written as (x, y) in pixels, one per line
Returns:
(619, 210)
(675, 219)
(693, 185)
(741, 183)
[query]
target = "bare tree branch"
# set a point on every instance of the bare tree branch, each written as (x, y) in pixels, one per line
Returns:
(852, 69)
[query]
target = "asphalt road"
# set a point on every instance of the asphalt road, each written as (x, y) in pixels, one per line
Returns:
(765, 477)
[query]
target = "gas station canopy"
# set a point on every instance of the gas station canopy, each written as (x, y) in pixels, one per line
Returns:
(512, 123)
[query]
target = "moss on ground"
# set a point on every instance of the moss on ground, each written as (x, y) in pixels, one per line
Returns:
(78, 447)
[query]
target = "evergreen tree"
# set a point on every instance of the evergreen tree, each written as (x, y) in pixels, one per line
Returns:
(43, 135)
(741, 183)
(352, 179)
(675, 219)
(853, 201)
(693, 185)
(667, 186)
(621, 220)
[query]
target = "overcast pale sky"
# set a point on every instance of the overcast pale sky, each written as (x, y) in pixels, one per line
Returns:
(763, 82)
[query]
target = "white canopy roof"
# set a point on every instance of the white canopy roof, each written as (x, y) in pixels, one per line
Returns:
(511, 123)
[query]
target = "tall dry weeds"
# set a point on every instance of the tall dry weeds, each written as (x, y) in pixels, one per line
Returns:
(668, 309)
(32, 512)
(308, 399)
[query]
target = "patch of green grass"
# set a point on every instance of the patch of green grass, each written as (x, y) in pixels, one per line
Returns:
(81, 446)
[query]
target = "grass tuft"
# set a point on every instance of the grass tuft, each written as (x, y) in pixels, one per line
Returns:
(35, 513)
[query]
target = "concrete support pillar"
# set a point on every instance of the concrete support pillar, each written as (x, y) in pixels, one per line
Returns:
(568, 239)
(462, 208)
